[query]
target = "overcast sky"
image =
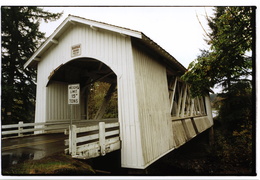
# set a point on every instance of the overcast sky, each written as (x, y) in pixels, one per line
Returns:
(175, 29)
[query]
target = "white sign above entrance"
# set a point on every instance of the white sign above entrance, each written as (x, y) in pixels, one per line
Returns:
(76, 50)
(73, 93)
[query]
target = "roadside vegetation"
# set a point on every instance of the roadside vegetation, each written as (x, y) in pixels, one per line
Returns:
(229, 64)
(57, 164)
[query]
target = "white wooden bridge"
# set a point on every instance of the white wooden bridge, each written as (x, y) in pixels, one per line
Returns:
(156, 113)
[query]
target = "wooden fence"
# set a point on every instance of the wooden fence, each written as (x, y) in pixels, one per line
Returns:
(92, 141)
(22, 129)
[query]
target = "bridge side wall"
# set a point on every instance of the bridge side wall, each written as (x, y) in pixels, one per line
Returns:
(114, 50)
(153, 106)
(160, 133)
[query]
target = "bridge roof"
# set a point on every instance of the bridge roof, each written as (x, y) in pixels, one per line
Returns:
(71, 20)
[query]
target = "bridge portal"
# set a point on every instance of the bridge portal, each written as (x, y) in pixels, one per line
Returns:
(156, 113)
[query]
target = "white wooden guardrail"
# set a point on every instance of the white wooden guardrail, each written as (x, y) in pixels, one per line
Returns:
(21, 129)
(92, 141)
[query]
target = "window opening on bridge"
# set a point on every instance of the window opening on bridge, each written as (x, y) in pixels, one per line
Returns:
(181, 102)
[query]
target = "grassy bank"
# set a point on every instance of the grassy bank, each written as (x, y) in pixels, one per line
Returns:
(57, 164)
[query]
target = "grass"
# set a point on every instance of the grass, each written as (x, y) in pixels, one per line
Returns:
(57, 164)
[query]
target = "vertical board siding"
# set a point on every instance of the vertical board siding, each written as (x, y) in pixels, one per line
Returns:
(209, 110)
(190, 128)
(202, 123)
(153, 103)
(146, 129)
(115, 51)
(179, 134)
(57, 103)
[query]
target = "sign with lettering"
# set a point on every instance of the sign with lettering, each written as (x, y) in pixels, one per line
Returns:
(73, 93)
(76, 50)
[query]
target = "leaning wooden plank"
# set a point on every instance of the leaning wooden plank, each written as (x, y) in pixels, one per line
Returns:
(196, 108)
(192, 108)
(183, 100)
(179, 104)
(187, 113)
(202, 106)
(199, 105)
(173, 93)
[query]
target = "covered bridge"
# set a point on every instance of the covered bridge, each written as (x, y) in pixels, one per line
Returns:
(155, 111)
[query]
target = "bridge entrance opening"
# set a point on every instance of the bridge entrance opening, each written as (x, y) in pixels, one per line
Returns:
(98, 90)
(94, 129)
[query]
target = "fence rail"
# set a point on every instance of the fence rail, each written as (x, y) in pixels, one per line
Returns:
(92, 141)
(21, 129)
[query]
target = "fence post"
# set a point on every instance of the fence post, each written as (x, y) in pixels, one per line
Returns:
(20, 128)
(72, 140)
(102, 138)
(70, 132)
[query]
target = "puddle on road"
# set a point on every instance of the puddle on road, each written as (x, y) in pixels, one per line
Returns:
(9, 158)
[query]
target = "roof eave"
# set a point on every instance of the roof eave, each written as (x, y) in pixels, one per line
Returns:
(72, 20)
(50, 40)
(163, 52)
(109, 27)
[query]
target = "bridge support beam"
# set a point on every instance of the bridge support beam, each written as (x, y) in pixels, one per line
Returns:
(211, 136)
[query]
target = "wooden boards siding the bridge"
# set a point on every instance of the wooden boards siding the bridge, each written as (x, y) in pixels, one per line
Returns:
(159, 134)
(57, 103)
(142, 70)
(112, 49)
(153, 106)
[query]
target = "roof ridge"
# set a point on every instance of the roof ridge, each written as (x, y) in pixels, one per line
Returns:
(99, 24)
(104, 23)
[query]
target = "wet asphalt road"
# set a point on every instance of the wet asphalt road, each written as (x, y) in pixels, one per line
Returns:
(16, 150)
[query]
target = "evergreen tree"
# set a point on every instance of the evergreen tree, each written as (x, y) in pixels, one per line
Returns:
(226, 63)
(229, 64)
(20, 38)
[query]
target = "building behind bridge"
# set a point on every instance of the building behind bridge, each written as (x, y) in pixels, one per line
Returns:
(155, 110)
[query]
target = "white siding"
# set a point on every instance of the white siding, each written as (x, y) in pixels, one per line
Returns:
(146, 129)
(57, 107)
(115, 51)
(153, 106)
